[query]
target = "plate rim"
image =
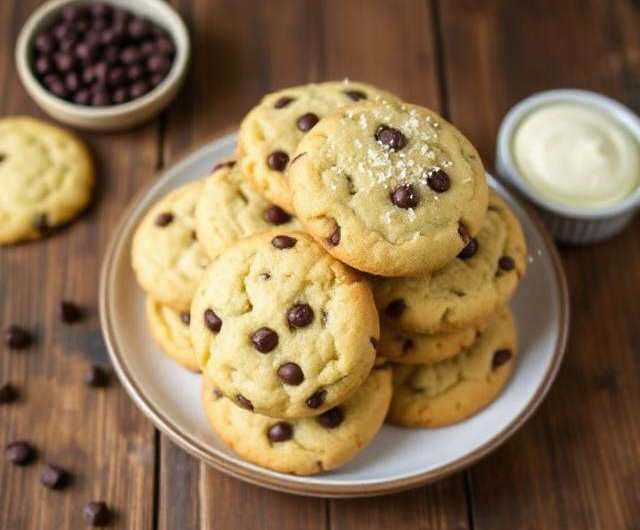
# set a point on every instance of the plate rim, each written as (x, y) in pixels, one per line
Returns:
(257, 476)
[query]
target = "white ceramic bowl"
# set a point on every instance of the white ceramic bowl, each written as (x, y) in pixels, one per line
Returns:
(114, 116)
(398, 458)
(568, 224)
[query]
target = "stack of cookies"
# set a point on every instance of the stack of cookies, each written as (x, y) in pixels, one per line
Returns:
(349, 224)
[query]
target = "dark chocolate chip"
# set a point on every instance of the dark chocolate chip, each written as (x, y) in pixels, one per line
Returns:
(331, 418)
(264, 340)
(120, 95)
(185, 316)
(395, 308)
(100, 99)
(407, 345)
(283, 102)
(374, 343)
(283, 242)
(96, 377)
(356, 95)
(265, 276)
(469, 250)
(8, 394)
(280, 432)
(139, 88)
(72, 81)
(501, 357)
(334, 238)
(41, 224)
(17, 338)
(165, 45)
(300, 315)
(316, 399)
(244, 402)
(439, 181)
(53, 477)
(139, 28)
(506, 263)
(69, 312)
(130, 55)
(64, 61)
(158, 64)
(405, 196)
(212, 321)
(163, 219)
(135, 72)
(20, 453)
(291, 374)
(45, 43)
(217, 394)
(278, 160)
(43, 65)
(307, 121)
(391, 138)
(276, 215)
(96, 513)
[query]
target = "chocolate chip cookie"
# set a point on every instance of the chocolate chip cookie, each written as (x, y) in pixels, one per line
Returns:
(166, 256)
(282, 328)
(304, 446)
(46, 178)
(271, 131)
(388, 187)
(170, 330)
(468, 290)
(406, 347)
(435, 395)
(230, 209)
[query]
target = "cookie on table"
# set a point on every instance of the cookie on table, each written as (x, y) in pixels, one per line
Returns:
(271, 131)
(283, 328)
(406, 347)
(388, 187)
(439, 394)
(170, 330)
(466, 291)
(230, 209)
(46, 177)
(166, 256)
(303, 446)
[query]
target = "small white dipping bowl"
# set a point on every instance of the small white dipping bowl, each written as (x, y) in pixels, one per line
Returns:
(110, 117)
(569, 224)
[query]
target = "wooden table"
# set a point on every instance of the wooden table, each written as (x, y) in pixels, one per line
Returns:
(576, 464)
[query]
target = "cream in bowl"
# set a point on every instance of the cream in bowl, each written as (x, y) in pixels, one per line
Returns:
(576, 155)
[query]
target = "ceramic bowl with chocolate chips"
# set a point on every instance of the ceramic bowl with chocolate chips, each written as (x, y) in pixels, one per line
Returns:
(103, 65)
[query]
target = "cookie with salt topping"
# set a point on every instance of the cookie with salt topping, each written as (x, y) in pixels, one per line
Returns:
(271, 131)
(389, 188)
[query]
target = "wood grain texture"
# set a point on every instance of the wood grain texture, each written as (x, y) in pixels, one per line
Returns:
(575, 464)
(96, 434)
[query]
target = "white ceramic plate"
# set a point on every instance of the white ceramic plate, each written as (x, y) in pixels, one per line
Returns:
(397, 458)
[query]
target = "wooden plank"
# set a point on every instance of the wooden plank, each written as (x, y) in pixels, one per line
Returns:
(243, 50)
(97, 434)
(575, 464)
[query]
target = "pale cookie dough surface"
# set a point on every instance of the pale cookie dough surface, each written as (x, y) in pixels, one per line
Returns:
(467, 290)
(230, 209)
(243, 336)
(46, 178)
(388, 187)
(304, 446)
(406, 347)
(170, 330)
(443, 393)
(273, 126)
(166, 256)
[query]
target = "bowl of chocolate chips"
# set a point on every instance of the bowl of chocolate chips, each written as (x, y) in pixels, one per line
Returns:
(103, 65)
